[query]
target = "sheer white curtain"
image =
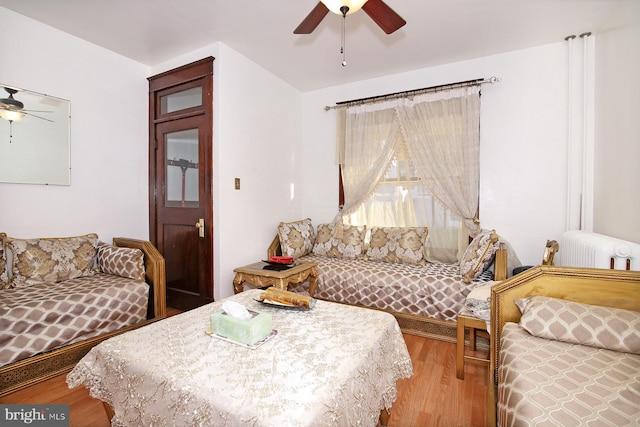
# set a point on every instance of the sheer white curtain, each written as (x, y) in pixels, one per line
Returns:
(415, 162)
(372, 133)
(442, 133)
(395, 201)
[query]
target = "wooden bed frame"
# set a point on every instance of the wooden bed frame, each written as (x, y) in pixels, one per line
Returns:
(26, 372)
(609, 288)
(423, 326)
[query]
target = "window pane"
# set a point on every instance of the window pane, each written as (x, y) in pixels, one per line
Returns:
(181, 100)
(401, 200)
(181, 150)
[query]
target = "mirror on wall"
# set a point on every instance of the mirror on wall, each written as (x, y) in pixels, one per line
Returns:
(34, 137)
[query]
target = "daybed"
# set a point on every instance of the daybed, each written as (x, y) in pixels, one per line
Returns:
(61, 296)
(565, 348)
(391, 273)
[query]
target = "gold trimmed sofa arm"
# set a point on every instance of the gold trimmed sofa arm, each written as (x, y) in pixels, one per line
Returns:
(274, 248)
(500, 264)
(155, 274)
(550, 251)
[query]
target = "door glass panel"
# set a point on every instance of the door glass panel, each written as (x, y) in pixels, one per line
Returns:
(181, 158)
(182, 100)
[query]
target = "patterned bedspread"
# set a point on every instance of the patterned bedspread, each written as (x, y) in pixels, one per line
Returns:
(43, 317)
(546, 382)
(434, 290)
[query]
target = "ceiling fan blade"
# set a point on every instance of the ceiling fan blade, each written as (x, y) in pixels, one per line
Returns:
(28, 113)
(36, 111)
(312, 20)
(383, 15)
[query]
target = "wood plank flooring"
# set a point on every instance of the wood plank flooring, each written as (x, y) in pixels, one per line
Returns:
(432, 397)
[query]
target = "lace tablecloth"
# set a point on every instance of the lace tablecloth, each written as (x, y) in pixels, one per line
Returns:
(333, 365)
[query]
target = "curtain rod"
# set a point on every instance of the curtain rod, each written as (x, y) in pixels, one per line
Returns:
(377, 98)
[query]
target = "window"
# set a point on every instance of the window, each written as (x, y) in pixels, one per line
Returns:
(415, 163)
(401, 200)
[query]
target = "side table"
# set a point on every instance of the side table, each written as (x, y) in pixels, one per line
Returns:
(256, 275)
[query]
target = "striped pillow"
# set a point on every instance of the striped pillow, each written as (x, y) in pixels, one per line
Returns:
(124, 262)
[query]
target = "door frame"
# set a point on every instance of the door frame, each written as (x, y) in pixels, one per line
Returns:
(166, 83)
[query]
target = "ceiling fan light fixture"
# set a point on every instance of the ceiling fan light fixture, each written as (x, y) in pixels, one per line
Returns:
(12, 116)
(335, 5)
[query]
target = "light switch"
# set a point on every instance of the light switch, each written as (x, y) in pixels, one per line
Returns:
(237, 184)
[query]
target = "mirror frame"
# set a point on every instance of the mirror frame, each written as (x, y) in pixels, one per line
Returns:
(35, 149)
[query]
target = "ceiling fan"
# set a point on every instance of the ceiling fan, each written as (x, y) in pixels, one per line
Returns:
(377, 10)
(13, 110)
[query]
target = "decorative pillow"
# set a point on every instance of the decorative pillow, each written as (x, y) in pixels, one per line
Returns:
(398, 244)
(479, 255)
(51, 260)
(349, 246)
(124, 262)
(296, 238)
(578, 323)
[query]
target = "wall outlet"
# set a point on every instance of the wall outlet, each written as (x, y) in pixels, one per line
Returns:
(237, 184)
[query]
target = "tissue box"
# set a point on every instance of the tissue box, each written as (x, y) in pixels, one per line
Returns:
(244, 331)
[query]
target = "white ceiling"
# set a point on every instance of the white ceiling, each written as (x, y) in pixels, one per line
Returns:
(437, 31)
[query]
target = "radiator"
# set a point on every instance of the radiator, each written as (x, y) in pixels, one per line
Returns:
(592, 250)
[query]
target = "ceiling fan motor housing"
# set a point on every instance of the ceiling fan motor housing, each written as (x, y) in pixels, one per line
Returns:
(386, 18)
(10, 103)
(337, 6)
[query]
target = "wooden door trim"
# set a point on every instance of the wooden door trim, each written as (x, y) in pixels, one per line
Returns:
(178, 76)
(182, 76)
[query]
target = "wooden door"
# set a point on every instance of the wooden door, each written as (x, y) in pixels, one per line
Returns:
(180, 164)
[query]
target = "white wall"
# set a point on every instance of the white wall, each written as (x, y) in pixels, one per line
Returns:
(256, 137)
(617, 133)
(523, 141)
(108, 94)
(257, 124)
(281, 143)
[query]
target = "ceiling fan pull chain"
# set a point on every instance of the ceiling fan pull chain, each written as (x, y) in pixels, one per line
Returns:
(344, 10)
(10, 131)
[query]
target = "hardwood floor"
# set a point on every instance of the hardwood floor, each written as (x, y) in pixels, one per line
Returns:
(432, 397)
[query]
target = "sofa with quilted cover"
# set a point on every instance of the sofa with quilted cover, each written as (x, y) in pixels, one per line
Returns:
(391, 271)
(61, 296)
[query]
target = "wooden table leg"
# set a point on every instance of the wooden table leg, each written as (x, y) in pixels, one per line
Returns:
(109, 410)
(385, 415)
(472, 338)
(313, 281)
(282, 284)
(460, 349)
(237, 283)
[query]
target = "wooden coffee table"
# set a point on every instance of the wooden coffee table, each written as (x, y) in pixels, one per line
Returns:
(256, 275)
